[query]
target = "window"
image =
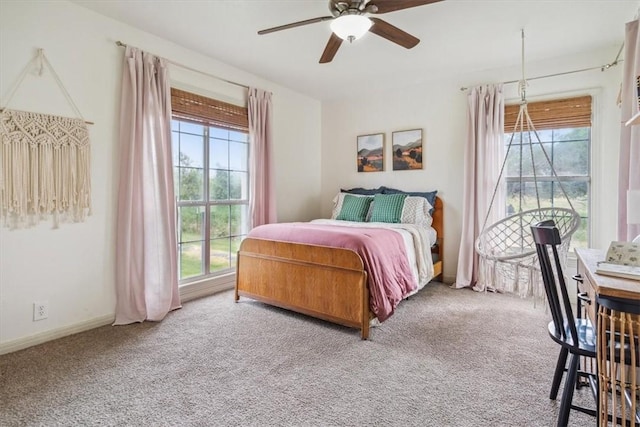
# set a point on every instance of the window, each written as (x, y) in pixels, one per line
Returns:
(211, 177)
(564, 129)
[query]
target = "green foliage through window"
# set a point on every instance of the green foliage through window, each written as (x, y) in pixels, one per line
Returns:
(568, 152)
(212, 186)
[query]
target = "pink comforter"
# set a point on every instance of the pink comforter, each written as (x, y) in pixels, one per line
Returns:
(382, 252)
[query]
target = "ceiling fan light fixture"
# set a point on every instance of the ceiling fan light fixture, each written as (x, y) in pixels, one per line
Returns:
(350, 27)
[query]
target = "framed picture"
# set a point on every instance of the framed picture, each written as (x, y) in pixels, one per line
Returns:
(407, 149)
(371, 153)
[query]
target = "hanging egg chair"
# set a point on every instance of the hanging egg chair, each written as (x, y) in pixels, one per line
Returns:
(508, 259)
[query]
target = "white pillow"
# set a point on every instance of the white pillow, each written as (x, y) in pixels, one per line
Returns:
(416, 211)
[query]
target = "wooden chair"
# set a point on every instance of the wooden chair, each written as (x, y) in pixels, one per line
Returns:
(618, 361)
(576, 336)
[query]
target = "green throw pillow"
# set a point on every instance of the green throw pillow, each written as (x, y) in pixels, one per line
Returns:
(354, 208)
(387, 207)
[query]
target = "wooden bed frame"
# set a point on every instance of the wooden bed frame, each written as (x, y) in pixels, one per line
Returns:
(320, 281)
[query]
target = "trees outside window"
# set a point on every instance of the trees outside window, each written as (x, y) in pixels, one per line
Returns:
(564, 129)
(211, 177)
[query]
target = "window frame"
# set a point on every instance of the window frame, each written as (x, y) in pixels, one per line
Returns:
(206, 203)
(588, 179)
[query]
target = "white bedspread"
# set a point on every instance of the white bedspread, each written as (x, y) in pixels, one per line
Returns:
(417, 241)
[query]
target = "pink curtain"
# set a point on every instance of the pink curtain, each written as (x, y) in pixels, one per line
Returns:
(146, 249)
(484, 155)
(629, 169)
(262, 202)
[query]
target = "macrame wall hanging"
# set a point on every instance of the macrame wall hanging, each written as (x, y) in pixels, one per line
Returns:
(508, 259)
(45, 162)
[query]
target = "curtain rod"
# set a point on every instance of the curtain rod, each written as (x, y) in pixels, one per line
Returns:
(120, 44)
(601, 68)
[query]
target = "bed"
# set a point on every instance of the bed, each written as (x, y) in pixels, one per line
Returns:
(319, 280)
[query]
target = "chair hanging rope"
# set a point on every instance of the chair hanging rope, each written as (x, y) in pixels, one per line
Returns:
(508, 260)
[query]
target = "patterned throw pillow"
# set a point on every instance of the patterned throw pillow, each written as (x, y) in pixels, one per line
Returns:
(416, 211)
(354, 208)
(339, 199)
(387, 207)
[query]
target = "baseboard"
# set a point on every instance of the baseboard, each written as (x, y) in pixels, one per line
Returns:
(188, 292)
(448, 279)
(22, 343)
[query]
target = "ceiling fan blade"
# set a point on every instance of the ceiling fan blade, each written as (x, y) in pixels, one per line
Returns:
(330, 50)
(386, 6)
(295, 24)
(394, 34)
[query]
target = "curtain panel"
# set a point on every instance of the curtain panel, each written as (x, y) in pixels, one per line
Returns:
(262, 203)
(628, 171)
(484, 154)
(146, 250)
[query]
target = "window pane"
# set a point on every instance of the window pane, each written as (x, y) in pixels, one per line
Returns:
(238, 156)
(239, 220)
(218, 153)
(175, 125)
(190, 259)
(545, 135)
(219, 221)
(571, 134)
(529, 199)
(540, 162)
(577, 191)
(191, 150)
(238, 136)
(191, 184)
(191, 128)
(580, 238)
(514, 138)
(190, 219)
(571, 158)
(218, 133)
(239, 186)
(220, 258)
(218, 184)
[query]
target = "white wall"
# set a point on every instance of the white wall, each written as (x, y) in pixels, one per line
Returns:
(73, 267)
(438, 106)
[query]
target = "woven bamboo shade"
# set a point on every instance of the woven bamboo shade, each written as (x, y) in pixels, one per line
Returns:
(210, 112)
(555, 114)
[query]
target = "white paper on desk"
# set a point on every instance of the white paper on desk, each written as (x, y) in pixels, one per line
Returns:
(624, 253)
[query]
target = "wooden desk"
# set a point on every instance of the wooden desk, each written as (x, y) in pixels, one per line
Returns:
(597, 284)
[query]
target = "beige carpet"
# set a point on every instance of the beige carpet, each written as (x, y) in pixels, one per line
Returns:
(446, 358)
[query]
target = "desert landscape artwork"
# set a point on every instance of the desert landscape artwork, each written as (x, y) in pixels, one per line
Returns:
(371, 153)
(407, 149)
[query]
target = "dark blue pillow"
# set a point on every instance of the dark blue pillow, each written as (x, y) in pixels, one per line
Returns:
(429, 195)
(364, 191)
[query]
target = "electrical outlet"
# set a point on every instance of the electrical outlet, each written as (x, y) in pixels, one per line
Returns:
(40, 310)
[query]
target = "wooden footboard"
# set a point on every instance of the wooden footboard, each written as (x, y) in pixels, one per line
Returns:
(323, 282)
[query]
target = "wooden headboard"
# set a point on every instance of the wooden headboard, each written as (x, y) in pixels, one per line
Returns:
(438, 225)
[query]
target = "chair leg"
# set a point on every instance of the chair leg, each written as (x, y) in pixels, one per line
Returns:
(557, 376)
(567, 393)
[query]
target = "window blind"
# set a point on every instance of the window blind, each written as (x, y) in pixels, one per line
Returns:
(210, 112)
(554, 114)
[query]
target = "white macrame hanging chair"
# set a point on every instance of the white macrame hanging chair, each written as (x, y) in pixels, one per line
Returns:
(508, 259)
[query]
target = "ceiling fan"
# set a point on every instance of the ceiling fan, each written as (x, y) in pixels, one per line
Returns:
(350, 21)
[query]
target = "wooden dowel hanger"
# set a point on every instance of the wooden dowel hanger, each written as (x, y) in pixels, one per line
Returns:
(86, 121)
